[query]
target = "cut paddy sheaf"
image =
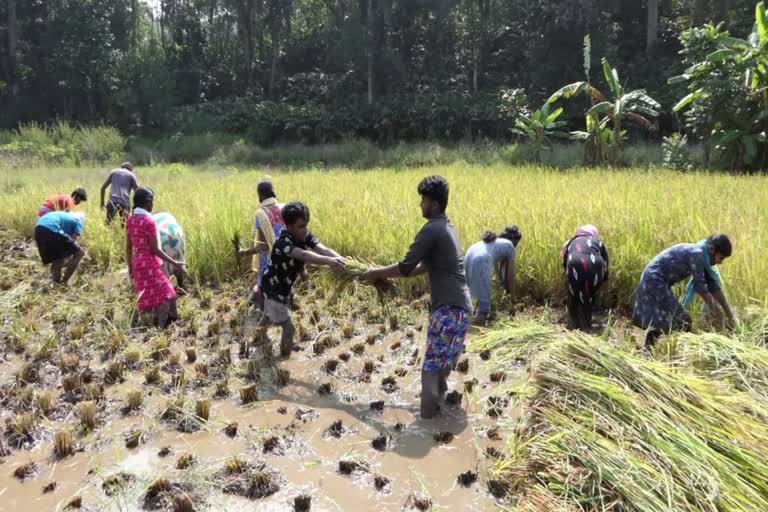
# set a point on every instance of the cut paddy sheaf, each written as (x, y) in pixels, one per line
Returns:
(610, 428)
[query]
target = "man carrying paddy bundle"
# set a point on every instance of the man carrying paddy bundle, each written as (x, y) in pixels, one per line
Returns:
(62, 202)
(585, 261)
(492, 251)
(295, 247)
(656, 307)
(436, 251)
(121, 183)
(56, 235)
(267, 225)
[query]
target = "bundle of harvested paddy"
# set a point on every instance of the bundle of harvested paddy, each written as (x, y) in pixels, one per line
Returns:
(604, 429)
(354, 269)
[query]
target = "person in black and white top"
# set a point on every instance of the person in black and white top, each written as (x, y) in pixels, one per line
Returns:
(295, 246)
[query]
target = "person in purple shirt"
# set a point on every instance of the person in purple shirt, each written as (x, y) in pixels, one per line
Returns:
(121, 183)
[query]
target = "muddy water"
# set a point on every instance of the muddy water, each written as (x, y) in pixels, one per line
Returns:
(308, 458)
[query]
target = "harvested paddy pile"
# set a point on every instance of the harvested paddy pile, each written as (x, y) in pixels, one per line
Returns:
(607, 428)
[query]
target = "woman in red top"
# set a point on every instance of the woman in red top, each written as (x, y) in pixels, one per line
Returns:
(154, 289)
(63, 203)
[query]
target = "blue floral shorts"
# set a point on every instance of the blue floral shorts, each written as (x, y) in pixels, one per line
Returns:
(448, 326)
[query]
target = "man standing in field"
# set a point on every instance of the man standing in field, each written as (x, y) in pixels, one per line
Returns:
(436, 251)
(62, 202)
(121, 183)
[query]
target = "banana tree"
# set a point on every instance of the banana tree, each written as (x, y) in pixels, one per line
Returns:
(608, 112)
(729, 90)
(540, 127)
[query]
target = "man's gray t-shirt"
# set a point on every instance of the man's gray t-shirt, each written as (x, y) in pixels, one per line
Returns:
(122, 182)
(437, 246)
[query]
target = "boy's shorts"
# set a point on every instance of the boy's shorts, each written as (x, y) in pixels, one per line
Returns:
(276, 312)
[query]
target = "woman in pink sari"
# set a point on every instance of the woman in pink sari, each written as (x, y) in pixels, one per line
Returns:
(145, 261)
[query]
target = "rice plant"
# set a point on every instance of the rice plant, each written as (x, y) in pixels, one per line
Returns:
(63, 444)
(86, 411)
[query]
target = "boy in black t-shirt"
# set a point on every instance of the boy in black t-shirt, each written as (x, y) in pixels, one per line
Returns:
(295, 246)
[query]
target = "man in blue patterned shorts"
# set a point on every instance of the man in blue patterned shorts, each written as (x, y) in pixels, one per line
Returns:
(437, 252)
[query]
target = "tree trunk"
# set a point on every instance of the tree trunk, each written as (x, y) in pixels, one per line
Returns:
(13, 39)
(369, 24)
(721, 14)
(652, 28)
(699, 14)
(245, 16)
(275, 55)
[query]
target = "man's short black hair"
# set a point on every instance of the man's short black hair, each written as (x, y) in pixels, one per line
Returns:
(294, 211)
(127, 165)
(265, 189)
(435, 188)
(721, 244)
(80, 194)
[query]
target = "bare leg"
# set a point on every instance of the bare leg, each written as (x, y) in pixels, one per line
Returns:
(286, 340)
(72, 265)
(56, 267)
(162, 313)
(430, 394)
(180, 282)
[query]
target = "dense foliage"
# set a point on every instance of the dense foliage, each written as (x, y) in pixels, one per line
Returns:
(316, 70)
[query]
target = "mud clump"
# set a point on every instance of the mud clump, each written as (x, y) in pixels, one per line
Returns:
(485, 355)
(302, 503)
(463, 366)
(368, 367)
(231, 429)
(161, 494)
(344, 356)
(282, 410)
(164, 452)
(499, 489)
(49, 488)
(443, 437)
(493, 434)
(75, 503)
(117, 483)
(325, 389)
(272, 445)
(493, 453)
(359, 348)
(467, 478)
(249, 481)
(498, 377)
(347, 467)
(399, 426)
(380, 482)
(469, 385)
(401, 372)
(336, 429)
(377, 406)
(380, 443)
(389, 384)
(331, 365)
(496, 406)
(421, 503)
(25, 471)
(453, 398)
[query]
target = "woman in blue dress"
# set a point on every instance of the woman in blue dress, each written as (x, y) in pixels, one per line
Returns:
(493, 251)
(656, 307)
